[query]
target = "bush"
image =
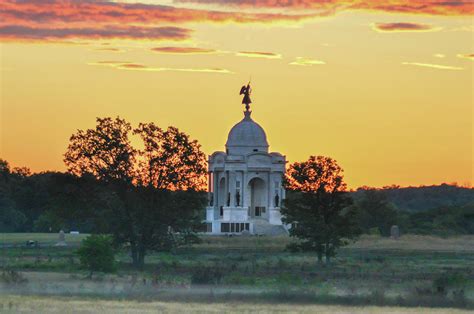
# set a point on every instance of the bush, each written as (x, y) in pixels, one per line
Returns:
(450, 281)
(97, 254)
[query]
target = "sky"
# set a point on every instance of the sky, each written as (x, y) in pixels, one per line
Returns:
(385, 87)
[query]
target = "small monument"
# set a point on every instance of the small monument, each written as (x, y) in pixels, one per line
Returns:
(395, 232)
(61, 239)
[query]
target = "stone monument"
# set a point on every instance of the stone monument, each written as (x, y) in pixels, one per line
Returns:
(61, 239)
(245, 181)
(395, 232)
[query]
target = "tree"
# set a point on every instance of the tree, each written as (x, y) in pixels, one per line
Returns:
(76, 203)
(11, 218)
(104, 152)
(96, 253)
(374, 211)
(171, 179)
(170, 160)
(156, 193)
(318, 207)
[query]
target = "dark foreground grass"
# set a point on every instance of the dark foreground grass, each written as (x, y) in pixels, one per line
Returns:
(257, 269)
(206, 295)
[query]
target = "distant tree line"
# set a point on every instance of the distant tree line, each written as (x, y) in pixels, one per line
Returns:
(51, 201)
(423, 198)
(376, 213)
(153, 197)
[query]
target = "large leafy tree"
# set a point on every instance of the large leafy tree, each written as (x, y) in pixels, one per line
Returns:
(104, 152)
(318, 206)
(156, 190)
(171, 176)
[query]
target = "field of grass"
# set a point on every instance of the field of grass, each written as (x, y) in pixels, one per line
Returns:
(16, 304)
(42, 238)
(254, 270)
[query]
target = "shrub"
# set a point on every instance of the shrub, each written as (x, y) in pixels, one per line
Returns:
(450, 281)
(375, 231)
(97, 254)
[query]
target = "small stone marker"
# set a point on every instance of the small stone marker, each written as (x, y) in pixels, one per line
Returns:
(61, 239)
(394, 232)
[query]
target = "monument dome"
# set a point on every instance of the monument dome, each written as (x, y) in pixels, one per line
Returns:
(246, 136)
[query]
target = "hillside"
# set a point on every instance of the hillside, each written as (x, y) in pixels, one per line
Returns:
(415, 199)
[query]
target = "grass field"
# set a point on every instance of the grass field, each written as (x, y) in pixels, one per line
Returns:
(16, 304)
(42, 238)
(250, 272)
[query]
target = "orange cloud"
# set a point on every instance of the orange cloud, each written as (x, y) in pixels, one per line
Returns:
(29, 33)
(103, 19)
(183, 50)
(58, 20)
(432, 7)
(404, 27)
(89, 11)
(141, 67)
(258, 54)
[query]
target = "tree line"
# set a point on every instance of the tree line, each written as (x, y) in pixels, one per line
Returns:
(151, 196)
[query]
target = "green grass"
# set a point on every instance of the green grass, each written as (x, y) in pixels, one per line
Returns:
(42, 238)
(372, 271)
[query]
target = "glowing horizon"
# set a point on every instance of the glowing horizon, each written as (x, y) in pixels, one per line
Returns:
(383, 87)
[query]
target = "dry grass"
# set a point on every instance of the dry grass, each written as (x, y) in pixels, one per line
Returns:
(27, 304)
(416, 243)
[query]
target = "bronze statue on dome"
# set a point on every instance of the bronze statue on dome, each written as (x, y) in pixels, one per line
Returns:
(246, 91)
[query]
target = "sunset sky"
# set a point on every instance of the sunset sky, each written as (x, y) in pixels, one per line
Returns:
(383, 86)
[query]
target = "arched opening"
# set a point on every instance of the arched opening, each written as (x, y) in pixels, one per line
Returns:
(258, 198)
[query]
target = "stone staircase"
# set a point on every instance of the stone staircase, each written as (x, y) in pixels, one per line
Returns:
(263, 227)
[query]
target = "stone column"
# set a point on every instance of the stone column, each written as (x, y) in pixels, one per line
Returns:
(209, 181)
(282, 190)
(269, 191)
(216, 188)
(227, 189)
(232, 188)
(243, 188)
